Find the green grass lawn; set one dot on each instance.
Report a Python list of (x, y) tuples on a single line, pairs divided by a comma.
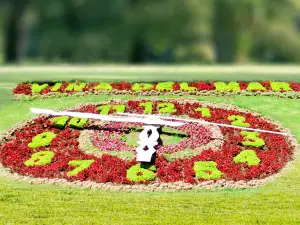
[(275, 203)]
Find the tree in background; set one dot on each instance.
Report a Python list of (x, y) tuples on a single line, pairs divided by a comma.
[(142, 31), (277, 37), (156, 28), (233, 29), (261, 30), (115, 30), (15, 30)]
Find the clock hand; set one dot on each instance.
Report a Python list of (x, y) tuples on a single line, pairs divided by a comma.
[(151, 124), (133, 119), (205, 122)]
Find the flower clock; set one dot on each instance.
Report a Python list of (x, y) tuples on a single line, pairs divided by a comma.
[(96, 153)]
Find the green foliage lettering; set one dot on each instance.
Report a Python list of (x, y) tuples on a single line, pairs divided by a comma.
[(255, 86), (119, 108), (207, 170), (166, 108), (141, 172), (252, 139), (142, 87), (231, 86), (36, 88), (278, 86), (165, 86), (40, 159), (205, 112), (43, 139), (104, 86), (60, 121), (80, 166), (238, 121), (77, 122), (56, 87), (75, 86), (104, 109), (247, 156), (148, 107), (185, 87)]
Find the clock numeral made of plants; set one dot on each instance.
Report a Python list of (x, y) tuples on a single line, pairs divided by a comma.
[(102, 152)]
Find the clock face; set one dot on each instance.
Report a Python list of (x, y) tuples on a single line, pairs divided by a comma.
[(105, 152)]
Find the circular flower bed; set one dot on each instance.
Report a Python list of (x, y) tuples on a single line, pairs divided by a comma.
[(73, 149)]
